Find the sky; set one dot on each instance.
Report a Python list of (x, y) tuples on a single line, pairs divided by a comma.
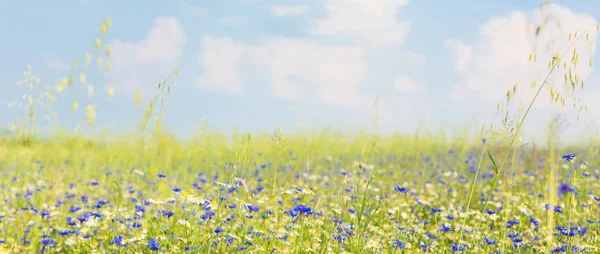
[(256, 65)]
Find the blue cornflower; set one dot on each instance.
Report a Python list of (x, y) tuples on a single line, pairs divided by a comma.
[(71, 222), (565, 188), (47, 241), (568, 157), (303, 209), (401, 189), (153, 244), (490, 241), (161, 175), (339, 238), (167, 214), (534, 221), (136, 225), (559, 249), (398, 244), (511, 223), (25, 241), (176, 189), (100, 204), (66, 232), (218, 230), (44, 213), (292, 213), (435, 210), (207, 215), (444, 228), (461, 247), (119, 240), (558, 209), (139, 209)]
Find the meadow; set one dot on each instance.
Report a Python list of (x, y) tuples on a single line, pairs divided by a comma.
[(312, 192)]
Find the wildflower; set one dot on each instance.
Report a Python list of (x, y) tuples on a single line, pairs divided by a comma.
[(47, 241), (302, 209), (401, 189), (167, 214), (444, 228), (118, 240), (490, 241), (534, 221), (397, 244), (161, 175), (44, 213), (372, 245), (153, 244), (435, 210), (565, 188), (559, 249), (568, 157), (511, 223), (299, 191), (558, 209), (139, 209), (455, 247)]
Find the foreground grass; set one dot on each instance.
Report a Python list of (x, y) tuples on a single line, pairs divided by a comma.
[(318, 193)]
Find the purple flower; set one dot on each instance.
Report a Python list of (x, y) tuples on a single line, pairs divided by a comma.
[(568, 157), (153, 244)]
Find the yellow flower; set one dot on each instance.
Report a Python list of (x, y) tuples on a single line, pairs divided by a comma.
[(75, 105), (111, 92), (108, 22), (91, 114), (108, 64), (82, 77), (88, 59), (97, 43)]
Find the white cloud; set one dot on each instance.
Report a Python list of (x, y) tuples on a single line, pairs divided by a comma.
[(289, 10), (500, 56), (371, 21), (296, 69), (406, 84), (303, 69), (463, 53), (219, 60), (151, 60)]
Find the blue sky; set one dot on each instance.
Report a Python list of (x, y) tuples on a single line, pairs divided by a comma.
[(255, 64)]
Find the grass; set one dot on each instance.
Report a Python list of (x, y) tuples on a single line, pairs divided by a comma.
[(314, 192), (326, 199)]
